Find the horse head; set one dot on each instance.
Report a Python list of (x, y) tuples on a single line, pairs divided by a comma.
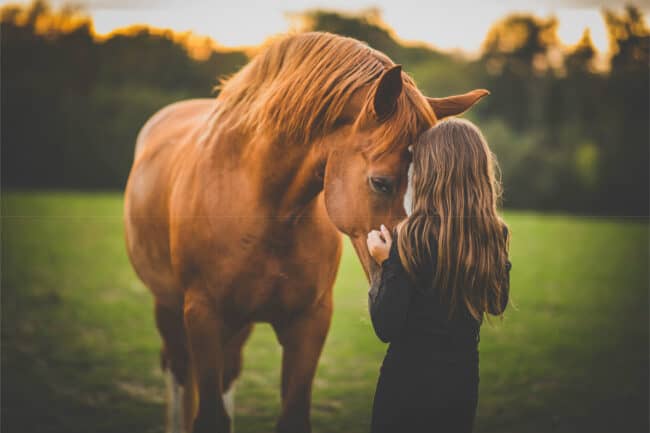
[(365, 177), (349, 106)]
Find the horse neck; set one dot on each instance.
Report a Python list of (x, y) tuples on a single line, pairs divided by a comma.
[(286, 176), (292, 176)]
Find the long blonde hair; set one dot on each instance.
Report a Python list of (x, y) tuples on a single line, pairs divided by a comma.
[(454, 221)]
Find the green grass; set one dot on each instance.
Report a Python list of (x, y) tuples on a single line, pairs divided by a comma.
[(80, 351)]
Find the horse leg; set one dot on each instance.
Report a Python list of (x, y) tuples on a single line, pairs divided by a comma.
[(190, 400), (233, 362), (206, 335), (174, 362), (302, 340)]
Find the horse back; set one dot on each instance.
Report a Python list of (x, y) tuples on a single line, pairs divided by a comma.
[(173, 121)]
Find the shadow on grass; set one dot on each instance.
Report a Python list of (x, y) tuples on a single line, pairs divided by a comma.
[(53, 381)]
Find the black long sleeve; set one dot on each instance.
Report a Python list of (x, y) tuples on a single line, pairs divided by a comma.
[(389, 297), (398, 307), (495, 309)]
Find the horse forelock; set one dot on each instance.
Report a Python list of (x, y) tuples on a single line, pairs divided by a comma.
[(297, 87)]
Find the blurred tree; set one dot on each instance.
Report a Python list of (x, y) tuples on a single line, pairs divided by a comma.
[(571, 113), (518, 55), (520, 43), (624, 128), (77, 103), (435, 72), (629, 40), (47, 58), (367, 26), (580, 58), (568, 136)]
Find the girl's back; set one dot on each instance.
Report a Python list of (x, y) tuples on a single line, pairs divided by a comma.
[(442, 270)]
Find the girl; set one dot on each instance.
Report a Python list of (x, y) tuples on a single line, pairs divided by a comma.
[(443, 269)]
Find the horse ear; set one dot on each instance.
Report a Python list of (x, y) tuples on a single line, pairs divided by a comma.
[(387, 91), (457, 104)]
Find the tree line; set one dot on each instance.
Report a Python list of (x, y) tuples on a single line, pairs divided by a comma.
[(569, 134)]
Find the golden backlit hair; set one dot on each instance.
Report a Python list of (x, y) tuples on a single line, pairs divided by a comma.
[(454, 222), (295, 90)]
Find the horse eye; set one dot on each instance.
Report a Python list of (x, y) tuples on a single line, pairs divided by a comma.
[(381, 185)]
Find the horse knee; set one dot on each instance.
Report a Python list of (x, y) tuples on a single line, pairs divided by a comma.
[(196, 315)]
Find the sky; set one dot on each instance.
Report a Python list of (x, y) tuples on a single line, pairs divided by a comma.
[(445, 24)]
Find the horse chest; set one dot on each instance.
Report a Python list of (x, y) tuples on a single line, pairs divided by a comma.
[(261, 278), (258, 267), (269, 286)]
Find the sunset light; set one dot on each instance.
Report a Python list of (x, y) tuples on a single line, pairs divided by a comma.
[(311, 216), (459, 25)]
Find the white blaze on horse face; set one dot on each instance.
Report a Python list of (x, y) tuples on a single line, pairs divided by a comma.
[(408, 195)]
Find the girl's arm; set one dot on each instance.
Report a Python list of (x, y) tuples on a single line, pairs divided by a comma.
[(389, 297)]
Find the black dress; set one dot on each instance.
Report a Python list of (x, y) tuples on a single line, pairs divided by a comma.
[(429, 378)]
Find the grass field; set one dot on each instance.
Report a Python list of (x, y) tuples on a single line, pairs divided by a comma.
[(80, 351)]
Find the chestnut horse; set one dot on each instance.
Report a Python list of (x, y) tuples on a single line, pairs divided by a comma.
[(233, 210)]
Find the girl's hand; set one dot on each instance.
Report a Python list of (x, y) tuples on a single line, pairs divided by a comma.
[(379, 243)]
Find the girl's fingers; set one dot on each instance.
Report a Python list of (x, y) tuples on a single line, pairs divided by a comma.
[(386, 233)]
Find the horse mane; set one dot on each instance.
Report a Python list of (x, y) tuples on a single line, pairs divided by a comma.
[(297, 87)]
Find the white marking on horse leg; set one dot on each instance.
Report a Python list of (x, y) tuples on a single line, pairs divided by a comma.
[(174, 404), (229, 404), (408, 195)]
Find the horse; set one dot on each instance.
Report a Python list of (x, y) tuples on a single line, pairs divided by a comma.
[(235, 205)]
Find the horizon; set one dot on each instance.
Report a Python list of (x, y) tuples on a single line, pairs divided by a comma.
[(574, 16)]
